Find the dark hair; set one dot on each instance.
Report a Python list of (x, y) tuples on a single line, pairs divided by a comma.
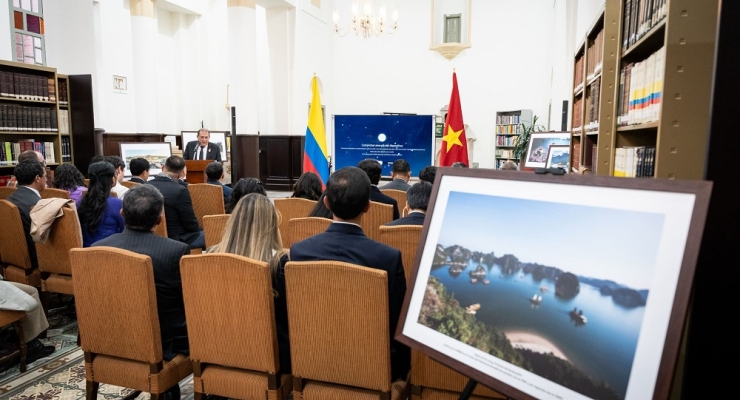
[(418, 195), (308, 186), (401, 166), (428, 174), (138, 166), (459, 164), (320, 210), (175, 164), (27, 171), (68, 177), (96, 200), (214, 171), (242, 188), (142, 207), (372, 168), (96, 159), (28, 155), (116, 162), (348, 192)]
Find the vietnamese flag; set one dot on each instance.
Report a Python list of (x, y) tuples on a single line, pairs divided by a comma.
[(454, 144)]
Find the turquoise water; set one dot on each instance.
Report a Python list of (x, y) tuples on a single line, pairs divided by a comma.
[(603, 348)]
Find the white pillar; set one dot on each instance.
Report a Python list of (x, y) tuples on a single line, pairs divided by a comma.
[(144, 52), (243, 64)]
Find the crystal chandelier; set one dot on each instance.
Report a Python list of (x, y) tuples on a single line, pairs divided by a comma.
[(367, 23)]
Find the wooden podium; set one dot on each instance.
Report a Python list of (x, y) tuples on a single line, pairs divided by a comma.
[(196, 171)]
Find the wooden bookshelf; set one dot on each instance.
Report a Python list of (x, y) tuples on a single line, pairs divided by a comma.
[(508, 129)]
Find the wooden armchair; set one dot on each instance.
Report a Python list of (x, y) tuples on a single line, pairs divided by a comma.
[(378, 214), (129, 184), (432, 380), (14, 249), (213, 228), (8, 317), (161, 229), (49, 193), (340, 343), (303, 228), (5, 192), (53, 256), (288, 209), (117, 316), (404, 238), (229, 307), (398, 195), (207, 200)]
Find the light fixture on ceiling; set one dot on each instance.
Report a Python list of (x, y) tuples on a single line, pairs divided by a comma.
[(366, 22)]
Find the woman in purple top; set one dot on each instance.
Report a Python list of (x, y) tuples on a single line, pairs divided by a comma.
[(100, 214), (69, 178)]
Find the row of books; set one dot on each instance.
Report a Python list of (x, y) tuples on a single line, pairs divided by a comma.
[(595, 55), (508, 129), (63, 93), (640, 88), (14, 117), (504, 153), (506, 140), (640, 16), (576, 119), (64, 122), (66, 149), (27, 86), (508, 119), (590, 156), (578, 75), (634, 162), (592, 106), (9, 151)]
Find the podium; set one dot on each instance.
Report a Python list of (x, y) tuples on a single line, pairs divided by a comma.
[(196, 171)]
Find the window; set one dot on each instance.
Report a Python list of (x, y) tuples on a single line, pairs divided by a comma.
[(27, 30)]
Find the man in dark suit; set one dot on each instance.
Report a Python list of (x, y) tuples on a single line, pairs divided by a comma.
[(142, 212), (31, 177), (400, 175), (215, 172), (347, 195), (417, 200), (139, 168), (182, 224), (373, 170), (202, 149)]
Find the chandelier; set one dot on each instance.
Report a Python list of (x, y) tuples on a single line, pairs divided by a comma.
[(367, 23)]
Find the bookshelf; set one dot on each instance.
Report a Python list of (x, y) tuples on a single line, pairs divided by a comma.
[(508, 129)]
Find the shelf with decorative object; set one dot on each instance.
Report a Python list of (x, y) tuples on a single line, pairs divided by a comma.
[(508, 129)]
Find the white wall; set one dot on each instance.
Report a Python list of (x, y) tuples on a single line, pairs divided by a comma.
[(586, 13)]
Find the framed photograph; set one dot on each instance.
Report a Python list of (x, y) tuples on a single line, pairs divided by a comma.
[(218, 137), (539, 144), (156, 153), (558, 156), (538, 318)]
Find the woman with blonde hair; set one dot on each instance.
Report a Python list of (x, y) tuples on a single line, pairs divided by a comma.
[(252, 232)]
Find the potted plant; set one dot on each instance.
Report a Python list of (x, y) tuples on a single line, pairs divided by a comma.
[(520, 147)]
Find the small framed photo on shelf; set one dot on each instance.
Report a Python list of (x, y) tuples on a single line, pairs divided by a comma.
[(558, 156), (539, 144), (217, 137), (156, 153)]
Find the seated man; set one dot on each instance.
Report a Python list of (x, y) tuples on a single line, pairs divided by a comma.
[(27, 155), (31, 177), (373, 170), (215, 172), (142, 212), (348, 197), (417, 200), (120, 166), (139, 170), (182, 224), (400, 175)]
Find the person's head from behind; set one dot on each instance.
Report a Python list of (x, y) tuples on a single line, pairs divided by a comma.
[(459, 164), (372, 169), (428, 174), (348, 193), (142, 208), (308, 186), (31, 155), (214, 171), (417, 197), (31, 173), (320, 210), (139, 167), (509, 166), (242, 188), (118, 164), (174, 167), (102, 178), (204, 135), (68, 177), (401, 170)]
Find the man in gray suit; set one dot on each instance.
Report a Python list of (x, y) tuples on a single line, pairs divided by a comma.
[(401, 173), (19, 297)]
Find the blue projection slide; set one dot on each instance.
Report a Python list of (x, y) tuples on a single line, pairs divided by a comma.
[(385, 138)]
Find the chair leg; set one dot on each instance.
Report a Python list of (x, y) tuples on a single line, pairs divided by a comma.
[(156, 396), (91, 390), (197, 396), (18, 326)]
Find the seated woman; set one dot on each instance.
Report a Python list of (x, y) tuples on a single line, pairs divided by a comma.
[(308, 187), (100, 214), (242, 188), (320, 210), (252, 232), (69, 178)]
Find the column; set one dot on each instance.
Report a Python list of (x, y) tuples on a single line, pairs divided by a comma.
[(242, 45), (144, 54)]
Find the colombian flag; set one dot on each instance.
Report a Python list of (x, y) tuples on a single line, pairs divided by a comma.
[(315, 156)]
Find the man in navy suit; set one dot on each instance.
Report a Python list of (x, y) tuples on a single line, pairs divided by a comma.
[(348, 197), (417, 200), (215, 172), (202, 149), (139, 168), (31, 176), (373, 170)]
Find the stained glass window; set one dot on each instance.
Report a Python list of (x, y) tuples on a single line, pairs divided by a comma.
[(28, 31)]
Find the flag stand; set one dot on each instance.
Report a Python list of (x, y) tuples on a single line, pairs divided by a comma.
[(234, 147), (468, 391)]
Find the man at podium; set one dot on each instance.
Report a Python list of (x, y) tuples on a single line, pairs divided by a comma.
[(202, 149)]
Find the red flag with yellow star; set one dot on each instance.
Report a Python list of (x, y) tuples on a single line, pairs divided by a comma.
[(454, 144)]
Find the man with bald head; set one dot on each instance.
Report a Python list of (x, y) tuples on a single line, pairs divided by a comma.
[(28, 155)]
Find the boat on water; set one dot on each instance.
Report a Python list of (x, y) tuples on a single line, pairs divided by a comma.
[(473, 308), (536, 299), (577, 317), (543, 288)]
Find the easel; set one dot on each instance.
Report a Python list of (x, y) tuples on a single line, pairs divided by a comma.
[(469, 387)]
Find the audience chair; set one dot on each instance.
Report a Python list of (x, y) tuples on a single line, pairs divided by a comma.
[(14, 249), (161, 229), (398, 195), (130, 184), (303, 228), (339, 341), (432, 380), (229, 307), (53, 256), (213, 228), (207, 200), (49, 193), (404, 238), (15, 318), (290, 208), (5, 192), (378, 214), (117, 317)]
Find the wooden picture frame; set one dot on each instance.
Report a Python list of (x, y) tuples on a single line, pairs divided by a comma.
[(154, 152), (217, 137), (558, 156), (539, 144), (610, 310)]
